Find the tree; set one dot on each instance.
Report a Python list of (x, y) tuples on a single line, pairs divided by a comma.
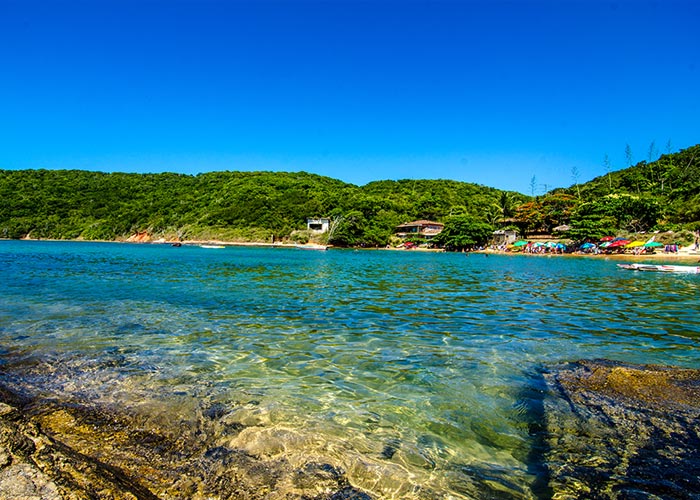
[(251, 206), (669, 169), (608, 169), (633, 213), (529, 217), (463, 232), (506, 203), (651, 156), (628, 155), (575, 174), (590, 227), (556, 209), (349, 230), (612, 213)]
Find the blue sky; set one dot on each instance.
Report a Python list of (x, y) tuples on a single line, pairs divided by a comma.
[(491, 92)]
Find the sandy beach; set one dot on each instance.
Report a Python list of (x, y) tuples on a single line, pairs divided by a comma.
[(684, 256)]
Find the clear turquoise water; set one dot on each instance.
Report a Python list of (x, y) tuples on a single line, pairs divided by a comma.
[(411, 371)]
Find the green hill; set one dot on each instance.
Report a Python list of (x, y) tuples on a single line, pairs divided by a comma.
[(663, 195), (244, 206), (673, 181), (257, 206)]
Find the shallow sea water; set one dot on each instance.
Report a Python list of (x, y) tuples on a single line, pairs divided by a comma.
[(412, 372)]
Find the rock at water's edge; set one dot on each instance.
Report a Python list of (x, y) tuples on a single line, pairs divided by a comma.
[(619, 430), (50, 451)]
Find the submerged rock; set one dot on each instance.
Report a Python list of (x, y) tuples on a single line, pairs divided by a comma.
[(26, 482), (622, 431), (51, 450)]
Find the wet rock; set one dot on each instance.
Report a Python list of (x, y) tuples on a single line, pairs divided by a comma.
[(216, 411), (25, 482), (388, 451), (349, 493), (6, 409), (623, 431), (34, 465), (69, 450), (319, 478), (390, 448)]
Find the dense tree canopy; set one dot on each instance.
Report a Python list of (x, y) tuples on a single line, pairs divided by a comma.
[(259, 206), (659, 195), (251, 206), (462, 232)]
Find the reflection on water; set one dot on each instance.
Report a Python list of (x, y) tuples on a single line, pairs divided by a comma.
[(410, 371)]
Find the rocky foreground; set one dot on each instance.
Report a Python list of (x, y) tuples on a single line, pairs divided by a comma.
[(58, 451), (608, 431), (619, 431)]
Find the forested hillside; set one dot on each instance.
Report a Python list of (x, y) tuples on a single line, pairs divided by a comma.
[(660, 195), (257, 206), (249, 206), (673, 181)]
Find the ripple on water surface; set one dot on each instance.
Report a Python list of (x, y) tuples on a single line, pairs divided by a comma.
[(412, 372)]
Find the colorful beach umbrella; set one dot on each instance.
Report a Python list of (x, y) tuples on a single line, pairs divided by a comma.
[(520, 243), (653, 244), (588, 245), (618, 243), (607, 238), (635, 244)]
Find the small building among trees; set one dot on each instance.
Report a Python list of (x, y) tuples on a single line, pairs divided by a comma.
[(504, 237), (318, 225), (420, 228)]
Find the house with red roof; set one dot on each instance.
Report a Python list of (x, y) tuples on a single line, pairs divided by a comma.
[(426, 229)]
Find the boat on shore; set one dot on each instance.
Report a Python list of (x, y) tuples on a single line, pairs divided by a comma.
[(212, 246), (661, 268), (312, 246)]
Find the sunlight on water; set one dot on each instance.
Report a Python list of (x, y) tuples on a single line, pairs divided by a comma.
[(410, 371)]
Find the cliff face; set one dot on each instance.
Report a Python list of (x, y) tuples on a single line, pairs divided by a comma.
[(618, 430), (141, 237)]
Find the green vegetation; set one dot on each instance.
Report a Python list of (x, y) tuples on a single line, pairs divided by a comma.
[(258, 206), (659, 195), (463, 232), (233, 206)]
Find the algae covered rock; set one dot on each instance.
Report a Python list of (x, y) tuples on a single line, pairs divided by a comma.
[(66, 450), (618, 430), (26, 482)]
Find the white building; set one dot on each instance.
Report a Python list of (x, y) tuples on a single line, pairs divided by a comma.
[(318, 225), (504, 237)]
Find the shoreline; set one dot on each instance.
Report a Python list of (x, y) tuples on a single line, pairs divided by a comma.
[(684, 254)]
